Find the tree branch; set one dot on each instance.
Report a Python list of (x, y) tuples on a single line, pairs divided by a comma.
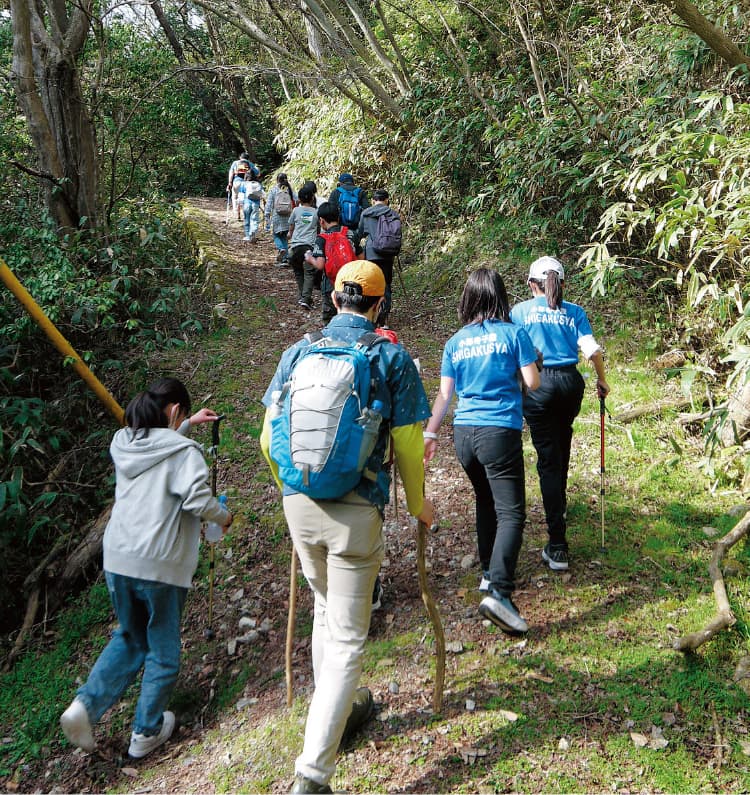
[(724, 617), (712, 35)]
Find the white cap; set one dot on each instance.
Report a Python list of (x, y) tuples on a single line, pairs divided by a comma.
[(542, 266)]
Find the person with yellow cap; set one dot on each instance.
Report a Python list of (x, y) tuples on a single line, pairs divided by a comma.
[(339, 542)]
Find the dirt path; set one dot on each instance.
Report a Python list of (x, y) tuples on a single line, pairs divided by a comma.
[(235, 685)]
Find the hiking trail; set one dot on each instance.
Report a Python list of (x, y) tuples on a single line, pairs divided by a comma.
[(234, 686)]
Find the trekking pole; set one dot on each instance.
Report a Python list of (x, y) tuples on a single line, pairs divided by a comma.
[(434, 613), (229, 204), (400, 276), (602, 409), (209, 633), (290, 622)]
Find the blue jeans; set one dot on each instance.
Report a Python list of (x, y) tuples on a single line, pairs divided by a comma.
[(549, 412), (148, 637), (493, 460), (252, 218), (280, 240)]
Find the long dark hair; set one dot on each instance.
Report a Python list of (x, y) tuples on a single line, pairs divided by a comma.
[(283, 182), (484, 298), (553, 289), (146, 409)]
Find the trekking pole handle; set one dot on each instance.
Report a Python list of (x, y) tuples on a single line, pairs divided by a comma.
[(215, 431)]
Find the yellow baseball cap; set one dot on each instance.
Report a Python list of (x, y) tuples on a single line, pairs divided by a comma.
[(366, 274)]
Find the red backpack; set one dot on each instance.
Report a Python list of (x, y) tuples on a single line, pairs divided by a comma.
[(338, 251)]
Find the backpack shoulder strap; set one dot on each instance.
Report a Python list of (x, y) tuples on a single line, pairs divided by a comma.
[(370, 339), (314, 336)]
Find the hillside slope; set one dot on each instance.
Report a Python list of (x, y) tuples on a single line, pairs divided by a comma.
[(560, 710)]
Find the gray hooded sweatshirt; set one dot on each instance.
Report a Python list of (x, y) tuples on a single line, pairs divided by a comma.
[(161, 496), (368, 225)]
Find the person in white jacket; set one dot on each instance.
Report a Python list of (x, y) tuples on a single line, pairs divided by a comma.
[(150, 555)]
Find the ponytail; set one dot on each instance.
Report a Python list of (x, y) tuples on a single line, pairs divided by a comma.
[(553, 291), (146, 409)]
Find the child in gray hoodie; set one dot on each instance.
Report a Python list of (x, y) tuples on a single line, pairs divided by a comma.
[(150, 555)]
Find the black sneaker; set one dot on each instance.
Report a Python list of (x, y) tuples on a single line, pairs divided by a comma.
[(304, 304), (555, 557), (362, 708), (501, 611), (305, 784), (377, 594)]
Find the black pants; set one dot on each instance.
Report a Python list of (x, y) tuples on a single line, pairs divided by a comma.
[(549, 412), (493, 460), (386, 265)]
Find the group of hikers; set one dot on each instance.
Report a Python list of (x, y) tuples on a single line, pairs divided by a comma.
[(317, 237), (344, 404)]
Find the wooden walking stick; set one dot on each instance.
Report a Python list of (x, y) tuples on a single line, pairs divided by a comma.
[(290, 627), (434, 613)]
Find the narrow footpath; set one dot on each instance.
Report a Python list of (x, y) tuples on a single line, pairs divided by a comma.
[(236, 733)]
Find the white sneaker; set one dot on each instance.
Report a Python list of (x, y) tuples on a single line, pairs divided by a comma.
[(140, 745), (246, 239), (484, 583), (76, 726)]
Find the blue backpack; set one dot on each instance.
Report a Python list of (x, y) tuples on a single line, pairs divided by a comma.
[(323, 426), (349, 206)]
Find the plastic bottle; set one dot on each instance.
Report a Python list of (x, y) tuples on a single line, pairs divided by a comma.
[(370, 421), (215, 532), (274, 410)]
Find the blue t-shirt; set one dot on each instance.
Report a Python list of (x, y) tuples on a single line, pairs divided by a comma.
[(399, 389), (555, 332), (483, 359)]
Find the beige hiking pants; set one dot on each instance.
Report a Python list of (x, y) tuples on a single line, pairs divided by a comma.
[(340, 548)]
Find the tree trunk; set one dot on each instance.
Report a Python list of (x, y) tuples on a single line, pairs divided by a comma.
[(715, 37), (736, 426), (533, 59), (49, 93)]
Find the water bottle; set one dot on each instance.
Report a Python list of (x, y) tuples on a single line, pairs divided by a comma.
[(215, 532), (370, 421), (277, 404)]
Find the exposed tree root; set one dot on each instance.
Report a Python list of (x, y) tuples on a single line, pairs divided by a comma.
[(724, 617)]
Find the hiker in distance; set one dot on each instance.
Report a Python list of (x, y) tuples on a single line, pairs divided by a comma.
[(480, 364), (334, 247), (558, 329), (349, 200), (303, 232), (237, 171), (279, 205), (150, 555), (382, 227), (251, 194), (339, 539)]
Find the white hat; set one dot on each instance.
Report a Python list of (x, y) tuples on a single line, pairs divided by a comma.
[(542, 266)]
